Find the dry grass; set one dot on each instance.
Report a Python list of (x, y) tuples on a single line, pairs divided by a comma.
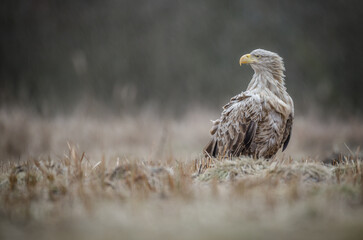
[(142, 178)]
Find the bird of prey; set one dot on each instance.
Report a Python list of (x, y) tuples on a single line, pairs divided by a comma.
[(256, 122)]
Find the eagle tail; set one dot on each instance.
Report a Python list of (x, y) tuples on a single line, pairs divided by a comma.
[(211, 149)]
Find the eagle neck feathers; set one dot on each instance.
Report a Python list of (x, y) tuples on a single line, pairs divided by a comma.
[(270, 83)]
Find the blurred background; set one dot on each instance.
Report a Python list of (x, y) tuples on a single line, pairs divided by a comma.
[(172, 54), (124, 57)]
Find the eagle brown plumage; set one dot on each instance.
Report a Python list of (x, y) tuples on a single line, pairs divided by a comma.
[(256, 122)]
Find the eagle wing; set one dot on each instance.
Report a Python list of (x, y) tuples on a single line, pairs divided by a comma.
[(233, 132)]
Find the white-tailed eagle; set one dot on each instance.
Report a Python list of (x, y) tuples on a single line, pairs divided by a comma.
[(256, 122)]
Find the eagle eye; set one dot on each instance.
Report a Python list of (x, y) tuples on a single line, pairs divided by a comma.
[(257, 56)]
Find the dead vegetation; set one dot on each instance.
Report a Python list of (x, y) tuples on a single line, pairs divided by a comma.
[(167, 195)]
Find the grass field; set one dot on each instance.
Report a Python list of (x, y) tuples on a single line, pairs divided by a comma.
[(143, 177)]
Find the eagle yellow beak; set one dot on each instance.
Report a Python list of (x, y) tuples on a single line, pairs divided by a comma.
[(246, 59)]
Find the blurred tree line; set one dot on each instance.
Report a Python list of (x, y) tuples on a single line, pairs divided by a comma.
[(176, 53)]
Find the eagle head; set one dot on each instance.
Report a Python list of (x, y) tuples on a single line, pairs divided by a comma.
[(263, 60)]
